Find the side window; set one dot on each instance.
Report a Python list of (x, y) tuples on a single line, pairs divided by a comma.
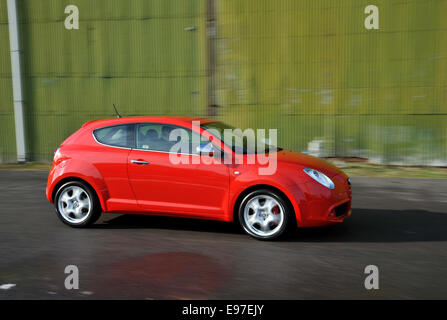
[(151, 137), (168, 138), (200, 141), (157, 136), (117, 136)]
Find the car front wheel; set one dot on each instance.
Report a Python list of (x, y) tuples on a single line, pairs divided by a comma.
[(77, 205), (264, 214)]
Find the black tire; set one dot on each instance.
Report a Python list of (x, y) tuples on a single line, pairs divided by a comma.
[(280, 229), (94, 211)]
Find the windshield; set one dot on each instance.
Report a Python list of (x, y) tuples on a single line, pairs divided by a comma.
[(241, 142)]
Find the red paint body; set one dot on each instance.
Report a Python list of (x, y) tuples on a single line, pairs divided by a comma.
[(192, 190)]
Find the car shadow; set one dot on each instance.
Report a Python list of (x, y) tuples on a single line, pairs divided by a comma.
[(364, 225), (137, 221), (373, 225)]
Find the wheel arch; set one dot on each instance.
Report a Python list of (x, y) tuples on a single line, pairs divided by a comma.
[(76, 178), (283, 193)]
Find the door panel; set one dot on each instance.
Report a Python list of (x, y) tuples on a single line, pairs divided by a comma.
[(161, 185)]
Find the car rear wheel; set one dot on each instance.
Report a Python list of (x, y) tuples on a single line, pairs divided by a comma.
[(77, 205), (264, 214)]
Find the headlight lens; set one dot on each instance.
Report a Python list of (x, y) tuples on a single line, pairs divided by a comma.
[(320, 177)]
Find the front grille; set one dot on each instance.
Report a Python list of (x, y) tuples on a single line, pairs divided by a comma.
[(341, 210)]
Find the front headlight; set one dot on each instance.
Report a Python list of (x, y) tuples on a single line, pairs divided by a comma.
[(320, 177)]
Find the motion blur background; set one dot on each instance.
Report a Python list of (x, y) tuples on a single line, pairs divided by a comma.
[(309, 68)]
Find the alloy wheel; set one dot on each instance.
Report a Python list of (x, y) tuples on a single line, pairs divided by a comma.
[(74, 204), (263, 215)]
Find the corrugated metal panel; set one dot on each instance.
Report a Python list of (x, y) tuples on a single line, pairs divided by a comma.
[(312, 70), (308, 68), (136, 54)]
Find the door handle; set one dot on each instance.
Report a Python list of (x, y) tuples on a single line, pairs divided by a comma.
[(139, 162)]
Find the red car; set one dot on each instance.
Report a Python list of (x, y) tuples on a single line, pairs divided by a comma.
[(134, 165)]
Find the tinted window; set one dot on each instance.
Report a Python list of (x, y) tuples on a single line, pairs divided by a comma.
[(167, 138), (237, 141), (117, 136)]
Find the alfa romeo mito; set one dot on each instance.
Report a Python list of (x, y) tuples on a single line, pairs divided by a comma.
[(184, 167)]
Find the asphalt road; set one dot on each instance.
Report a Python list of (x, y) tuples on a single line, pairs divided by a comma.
[(399, 225)]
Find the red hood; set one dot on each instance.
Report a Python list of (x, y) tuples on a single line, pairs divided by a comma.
[(307, 161)]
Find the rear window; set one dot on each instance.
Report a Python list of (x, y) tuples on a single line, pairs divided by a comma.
[(116, 136)]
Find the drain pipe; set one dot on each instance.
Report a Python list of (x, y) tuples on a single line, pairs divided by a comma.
[(16, 80), (211, 61)]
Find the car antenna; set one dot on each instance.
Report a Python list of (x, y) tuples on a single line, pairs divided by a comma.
[(117, 113)]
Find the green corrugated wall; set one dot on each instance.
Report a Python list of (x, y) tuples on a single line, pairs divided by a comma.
[(306, 67), (137, 54), (312, 70)]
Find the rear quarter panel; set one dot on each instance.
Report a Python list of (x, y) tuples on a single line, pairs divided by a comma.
[(76, 168)]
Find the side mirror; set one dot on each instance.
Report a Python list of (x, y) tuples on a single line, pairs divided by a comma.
[(205, 149)]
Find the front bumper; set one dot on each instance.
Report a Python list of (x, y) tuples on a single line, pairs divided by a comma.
[(321, 206)]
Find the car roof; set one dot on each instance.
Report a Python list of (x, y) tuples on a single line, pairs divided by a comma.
[(163, 119)]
